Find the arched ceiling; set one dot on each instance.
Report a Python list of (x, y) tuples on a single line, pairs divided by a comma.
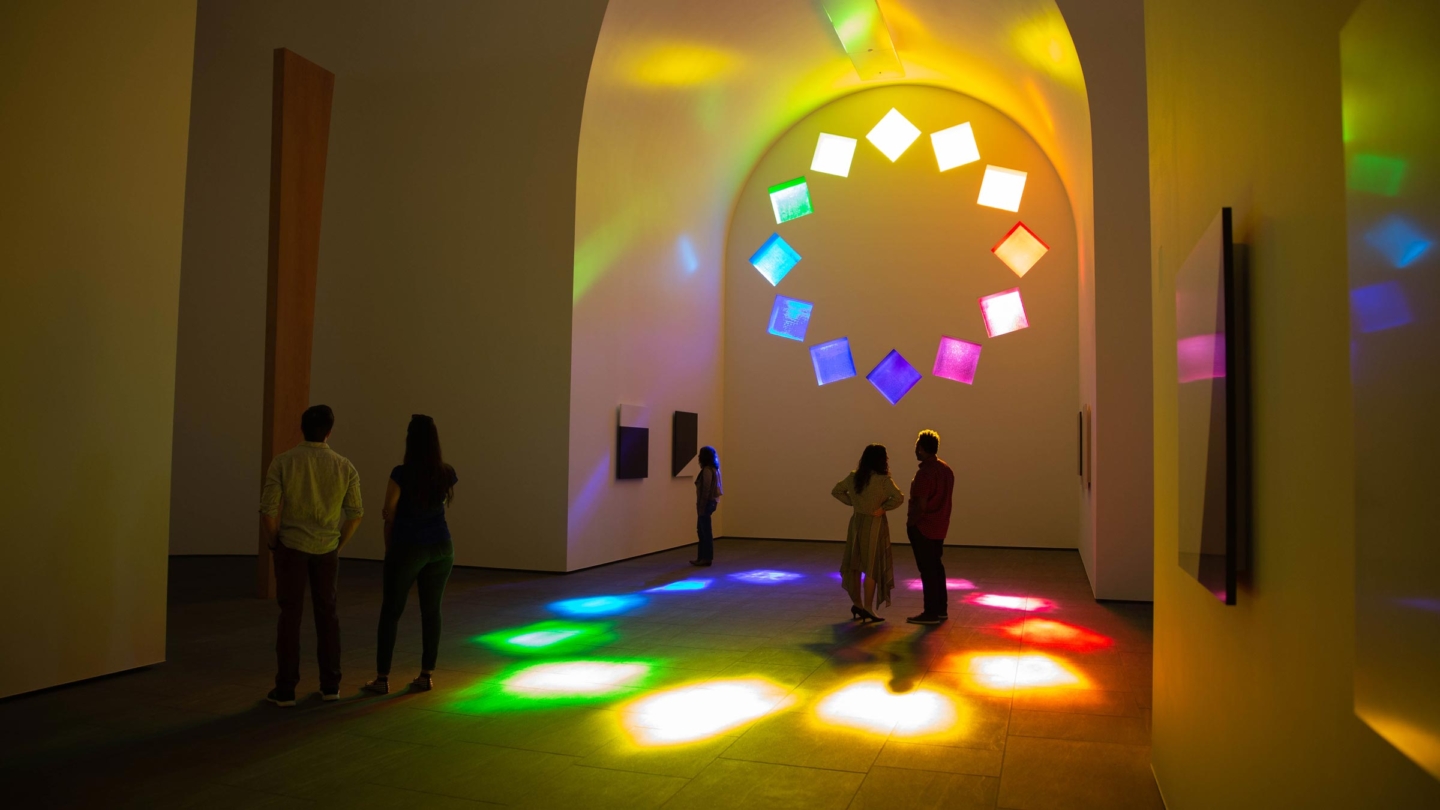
[(684, 98)]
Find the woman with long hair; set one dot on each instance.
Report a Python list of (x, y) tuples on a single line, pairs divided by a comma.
[(707, 499), (417, 548), (870, 493)]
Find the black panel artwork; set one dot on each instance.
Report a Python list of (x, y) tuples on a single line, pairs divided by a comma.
[(1212, 361), (632, 443), (684, 441)]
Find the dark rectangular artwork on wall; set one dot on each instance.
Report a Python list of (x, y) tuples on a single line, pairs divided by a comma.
[(1213, 386), (684, 443), (632, 443)]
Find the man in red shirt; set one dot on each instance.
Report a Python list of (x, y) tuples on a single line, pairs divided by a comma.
[(927, 523)]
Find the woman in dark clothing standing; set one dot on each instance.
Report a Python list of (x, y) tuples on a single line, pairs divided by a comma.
[(707, 499), (417, 548)]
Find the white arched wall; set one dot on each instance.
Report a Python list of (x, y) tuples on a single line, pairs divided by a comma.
[(896, 255), (682, 101)]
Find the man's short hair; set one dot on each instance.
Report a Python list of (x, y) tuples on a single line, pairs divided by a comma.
[(929, 441), (317, 422)]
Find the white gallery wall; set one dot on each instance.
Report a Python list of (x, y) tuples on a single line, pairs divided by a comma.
[(445, 260), (96, 98), (896, 255)]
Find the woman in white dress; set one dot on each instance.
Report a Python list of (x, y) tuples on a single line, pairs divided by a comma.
[(866, 570)]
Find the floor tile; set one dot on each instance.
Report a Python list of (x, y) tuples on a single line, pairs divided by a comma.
[(600, 788), (948, 759), (888, 788), (733, 785), (1083, 727), (1042, 774)]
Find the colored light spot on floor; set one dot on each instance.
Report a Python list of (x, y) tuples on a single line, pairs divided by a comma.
[(691, 713), (766, 577), (547, 638), (683, 585), (597, 605), (950, 585), (576, 678), (1002, 672), (871, 706), (1048, 633), (1025, 603)]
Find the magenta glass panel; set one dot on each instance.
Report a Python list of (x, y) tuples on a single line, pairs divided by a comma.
[(957, 360)]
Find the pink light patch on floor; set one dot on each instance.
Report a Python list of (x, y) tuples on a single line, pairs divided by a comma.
[(950, 585), (1026, 603)]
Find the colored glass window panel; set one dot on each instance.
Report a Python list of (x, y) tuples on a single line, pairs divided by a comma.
[(832, 361), (1379, 307), (1004, 313), (683, 585), (893, 377), (833, 155), (955, 146), (1002, 188), (1398, 241), (790, 317), (957, 360), (775, 259), (597, 605), (1020, 249), (790, 200), (893, 135)]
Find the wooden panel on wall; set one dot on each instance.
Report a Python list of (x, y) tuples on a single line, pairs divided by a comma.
[(299, 136)]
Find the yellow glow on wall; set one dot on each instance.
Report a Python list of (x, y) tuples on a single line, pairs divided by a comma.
[(955, 146), (1002, 188), (696, 712), (1045, 43), (1002, 672), (871, 706), (681, 64), (893, 135)]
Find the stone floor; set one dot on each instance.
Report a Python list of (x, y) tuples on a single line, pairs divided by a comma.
[(752, 692)]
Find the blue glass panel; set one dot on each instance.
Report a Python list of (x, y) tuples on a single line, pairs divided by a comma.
[(894, 377), (832, 361), (774, 259), (790, 317)]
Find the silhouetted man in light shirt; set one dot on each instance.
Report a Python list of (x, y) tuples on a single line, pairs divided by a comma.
[(927, 524), (310, 508)]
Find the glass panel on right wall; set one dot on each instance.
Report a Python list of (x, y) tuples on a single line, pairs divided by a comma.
[(1391, 73)]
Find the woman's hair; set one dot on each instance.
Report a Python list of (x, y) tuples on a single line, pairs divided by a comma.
[(709, 458), (874, 461), (429, 474)]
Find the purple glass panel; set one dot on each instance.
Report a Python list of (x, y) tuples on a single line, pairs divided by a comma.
[(893, 377)]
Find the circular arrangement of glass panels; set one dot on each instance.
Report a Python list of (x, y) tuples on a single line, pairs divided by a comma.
[(1002, 312)]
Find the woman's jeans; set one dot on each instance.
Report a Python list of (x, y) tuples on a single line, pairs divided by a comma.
[(706, 532), (427, 564)]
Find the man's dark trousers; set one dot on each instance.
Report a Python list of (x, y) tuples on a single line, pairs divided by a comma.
[(293, 569), (932, 571)]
